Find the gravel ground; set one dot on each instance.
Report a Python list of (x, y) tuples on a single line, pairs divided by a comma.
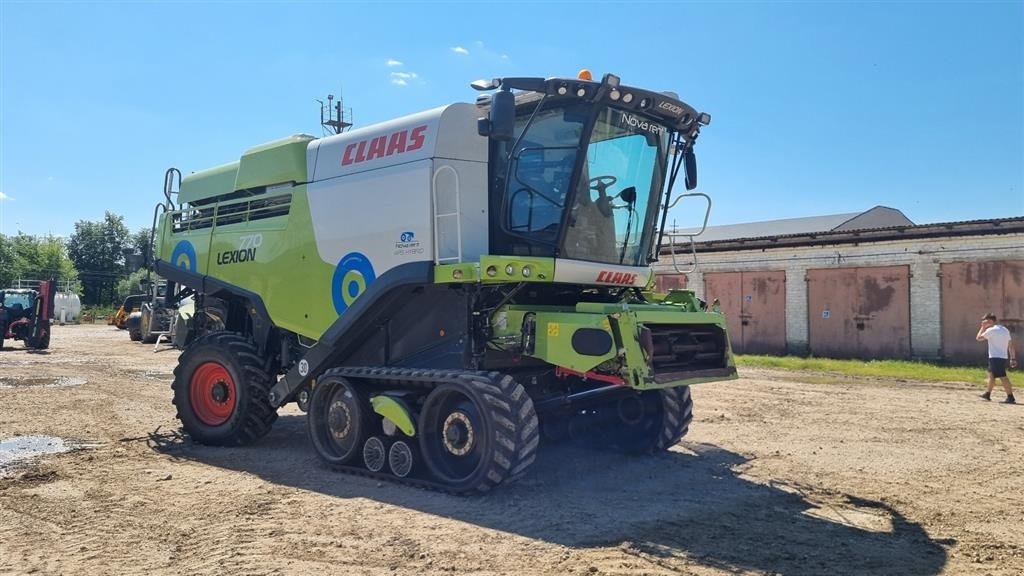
[(776, 477)]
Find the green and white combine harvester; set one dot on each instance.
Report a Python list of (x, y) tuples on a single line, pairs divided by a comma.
[(442, 290)]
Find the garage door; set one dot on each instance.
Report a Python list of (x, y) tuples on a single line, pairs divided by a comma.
[(665, 282), (859, 312), (969, 291), (754, 304)]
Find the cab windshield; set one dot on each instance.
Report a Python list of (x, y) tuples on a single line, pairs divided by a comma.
[(23, 300), (610, 216)]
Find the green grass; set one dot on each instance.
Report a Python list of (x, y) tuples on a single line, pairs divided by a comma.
[(895, 369)]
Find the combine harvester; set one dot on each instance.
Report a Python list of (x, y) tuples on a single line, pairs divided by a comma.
[(440, 290)]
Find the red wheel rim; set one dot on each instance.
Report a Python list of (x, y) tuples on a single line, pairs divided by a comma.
[(212, 394)]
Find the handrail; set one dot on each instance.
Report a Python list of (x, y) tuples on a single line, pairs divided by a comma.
[(169, 185), (693, 244), (457, 214)]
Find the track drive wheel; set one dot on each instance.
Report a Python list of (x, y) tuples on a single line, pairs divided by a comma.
[(340, 420), (478, 432), (221, 390)]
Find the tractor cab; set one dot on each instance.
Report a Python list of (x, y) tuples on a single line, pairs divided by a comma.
[(25, 315)]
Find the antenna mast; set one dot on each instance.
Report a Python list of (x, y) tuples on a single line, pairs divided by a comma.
[(334, 117)]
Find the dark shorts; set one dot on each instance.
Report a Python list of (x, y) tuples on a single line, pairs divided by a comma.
[(997, 367)]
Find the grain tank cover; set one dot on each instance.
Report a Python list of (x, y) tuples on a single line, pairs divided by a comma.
[(276, 162), (208, 183)]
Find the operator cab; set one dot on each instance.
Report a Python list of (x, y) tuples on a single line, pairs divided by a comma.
[(585, 168)]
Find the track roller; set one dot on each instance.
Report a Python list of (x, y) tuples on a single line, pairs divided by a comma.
[(400, 459), (375, 454)]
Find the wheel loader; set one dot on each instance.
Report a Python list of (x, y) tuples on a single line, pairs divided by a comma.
[(444, 290)]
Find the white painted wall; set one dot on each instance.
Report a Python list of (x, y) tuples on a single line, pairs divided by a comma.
[(922, 255)]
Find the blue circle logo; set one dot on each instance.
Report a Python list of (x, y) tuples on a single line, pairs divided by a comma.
[(184, 256), (353, 274)]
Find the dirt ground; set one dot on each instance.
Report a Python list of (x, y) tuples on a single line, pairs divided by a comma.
[(776, 477)]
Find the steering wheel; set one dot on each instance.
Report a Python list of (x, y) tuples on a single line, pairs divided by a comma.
[(603, 201)]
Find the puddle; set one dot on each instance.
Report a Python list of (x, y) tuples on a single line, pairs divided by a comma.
[(19, 450), (47, 382)]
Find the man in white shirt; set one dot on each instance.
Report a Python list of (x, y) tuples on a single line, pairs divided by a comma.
[(1000, 351)]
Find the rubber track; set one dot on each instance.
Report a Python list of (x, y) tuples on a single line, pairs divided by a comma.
[(506, 397)]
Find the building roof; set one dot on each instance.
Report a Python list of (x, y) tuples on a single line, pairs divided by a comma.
[(877, 217), (997, 226)]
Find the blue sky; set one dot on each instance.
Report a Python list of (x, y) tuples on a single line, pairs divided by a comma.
[(817, 108)]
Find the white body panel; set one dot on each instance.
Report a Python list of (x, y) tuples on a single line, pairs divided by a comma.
[(370, 212), (373, 190), (579, 272)]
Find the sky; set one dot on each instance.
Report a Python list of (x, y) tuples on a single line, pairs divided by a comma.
[(818, 107)]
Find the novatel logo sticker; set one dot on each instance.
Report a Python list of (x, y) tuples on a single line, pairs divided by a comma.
[(382, 146), (408, 244)]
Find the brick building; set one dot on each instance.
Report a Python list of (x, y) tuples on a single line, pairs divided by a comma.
[(869, 285)]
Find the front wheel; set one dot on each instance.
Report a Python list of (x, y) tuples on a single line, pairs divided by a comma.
[(641, 423), (221, 390), (41, 343)]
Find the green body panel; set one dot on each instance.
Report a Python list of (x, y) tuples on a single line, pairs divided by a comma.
[(279, 249), (394, 411), (275, 162), (495, 270), (555, 326), (208, 183)]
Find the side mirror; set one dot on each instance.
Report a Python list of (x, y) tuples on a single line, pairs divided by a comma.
[(690, 165), (501, 120)]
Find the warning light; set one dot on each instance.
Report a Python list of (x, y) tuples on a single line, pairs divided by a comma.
[(586, 75)]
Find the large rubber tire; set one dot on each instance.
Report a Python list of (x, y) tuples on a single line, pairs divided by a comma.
[(676, 417), (221, 390), (40, 344), (505, 432), (657, 420), (145, 322)]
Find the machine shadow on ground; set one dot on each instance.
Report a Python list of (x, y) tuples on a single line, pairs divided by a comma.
[(673, 509)]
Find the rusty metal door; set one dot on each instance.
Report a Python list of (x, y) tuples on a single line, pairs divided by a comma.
[(859, 312), (665, 282), (754, 304), (969, 291), (763, 316), (726, 287)]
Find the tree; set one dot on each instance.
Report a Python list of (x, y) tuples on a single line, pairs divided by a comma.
[(8, 262), (130, 284), (140, 245), (98, 251), (34, 258)]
